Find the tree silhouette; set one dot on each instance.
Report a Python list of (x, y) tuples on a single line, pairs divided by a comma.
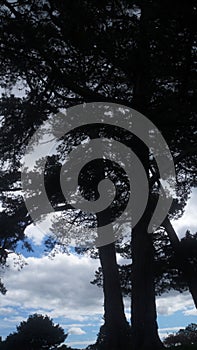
[(168, 274), (187, 336), (38, 332), (131, 52)]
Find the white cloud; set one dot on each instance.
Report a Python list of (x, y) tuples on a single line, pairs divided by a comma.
[(190, 312), (79, 325), (164, 332), (123, 261), (76, 331), (163, 335), (59, 287), (170, 303), (83, 342), (171, 329), (14, 320), (32, 231), (188, 220), (6, 310)]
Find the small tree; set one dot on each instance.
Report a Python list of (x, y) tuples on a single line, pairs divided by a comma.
[(37, 333), (187, 336)]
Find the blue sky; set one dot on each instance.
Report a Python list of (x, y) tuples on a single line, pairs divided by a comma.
[(60, 287)]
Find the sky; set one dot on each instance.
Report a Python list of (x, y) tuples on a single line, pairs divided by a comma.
[(60, 288)]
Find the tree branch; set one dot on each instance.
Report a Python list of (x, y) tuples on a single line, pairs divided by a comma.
[(183, 264)]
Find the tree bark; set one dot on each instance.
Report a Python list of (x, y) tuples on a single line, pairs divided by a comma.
[(143, 305), (116, 325), (144, 317)]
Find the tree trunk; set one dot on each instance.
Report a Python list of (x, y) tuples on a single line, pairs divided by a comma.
[(144, 316), (116, 327), (143, 305), (116, 330)]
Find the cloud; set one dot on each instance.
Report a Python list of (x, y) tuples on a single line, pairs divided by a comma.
[(70, 325), (163, 335), (33, 232), (188, 220), (164, 332), (170, 303), (171, 329), (83, 342), (14, 320), (59, 287), (190, 312), (6, 310), (76, 331)]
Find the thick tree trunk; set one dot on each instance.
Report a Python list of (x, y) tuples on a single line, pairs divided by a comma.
[(143, 308), (144, 316), (116, 327)]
